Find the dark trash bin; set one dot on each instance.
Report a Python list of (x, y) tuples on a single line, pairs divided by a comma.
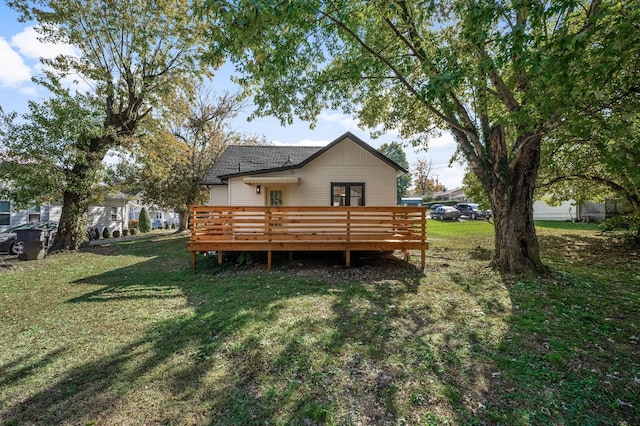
[(35, 243)]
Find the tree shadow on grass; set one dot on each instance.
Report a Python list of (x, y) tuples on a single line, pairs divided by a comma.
[(312, 343), (236, 345)]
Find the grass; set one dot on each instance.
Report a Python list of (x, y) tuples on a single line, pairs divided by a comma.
[(127, 334)]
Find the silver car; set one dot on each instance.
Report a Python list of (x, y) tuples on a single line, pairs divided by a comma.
[(444, 213)]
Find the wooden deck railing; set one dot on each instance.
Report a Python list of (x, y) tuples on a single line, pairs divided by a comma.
[(217, 228)]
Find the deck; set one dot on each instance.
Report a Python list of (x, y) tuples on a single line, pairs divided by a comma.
[(292, 229)]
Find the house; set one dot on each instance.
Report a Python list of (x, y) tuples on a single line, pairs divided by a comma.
[(10, 216), (112, 213), (340, 197), (347, 172), (456, 195), (159, 216)]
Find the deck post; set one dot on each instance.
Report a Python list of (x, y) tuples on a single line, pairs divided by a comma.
[(193, 260), (423, 258), (219, 257), (269, 259), (347, 257)]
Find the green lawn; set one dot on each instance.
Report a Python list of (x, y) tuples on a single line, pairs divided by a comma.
[(128, 334)]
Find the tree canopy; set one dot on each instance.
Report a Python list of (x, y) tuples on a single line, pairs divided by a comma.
[(134, 56), (180, 147), (500, 76)]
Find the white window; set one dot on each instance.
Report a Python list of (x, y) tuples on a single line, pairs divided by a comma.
[(34, 214), (114, 214)]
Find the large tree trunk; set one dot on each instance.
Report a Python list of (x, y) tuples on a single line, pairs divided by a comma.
[(71, 229), (510, 188), (516, 243), (75, 204)]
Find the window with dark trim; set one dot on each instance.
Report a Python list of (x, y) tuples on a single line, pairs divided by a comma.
[(347, 194), (5, 213)]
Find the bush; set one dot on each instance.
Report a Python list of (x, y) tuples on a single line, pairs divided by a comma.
[(134, 223), (106, 233), (125, 232), (96, 233), (166, 226), (145, 221), (133, 231), (116, 234), (628, 224), (173, 226)]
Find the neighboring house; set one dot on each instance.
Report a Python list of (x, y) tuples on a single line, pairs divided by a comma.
[(159, 217), (456, 194), (9, 216), (112, 214), (347, 172)]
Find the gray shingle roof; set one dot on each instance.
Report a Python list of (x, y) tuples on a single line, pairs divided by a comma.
[(249, 159), (238, 160)]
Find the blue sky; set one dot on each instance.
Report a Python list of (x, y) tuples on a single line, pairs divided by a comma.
[(19, 62)]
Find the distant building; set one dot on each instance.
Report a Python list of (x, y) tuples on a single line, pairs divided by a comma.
[(456, 194)]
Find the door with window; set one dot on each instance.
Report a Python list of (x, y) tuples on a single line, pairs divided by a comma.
[(276, 197)]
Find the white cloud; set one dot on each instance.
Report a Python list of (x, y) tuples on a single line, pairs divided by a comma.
[(13, 71), (29, 46), (349, 123)]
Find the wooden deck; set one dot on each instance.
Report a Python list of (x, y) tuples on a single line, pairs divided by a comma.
[(291, 229)]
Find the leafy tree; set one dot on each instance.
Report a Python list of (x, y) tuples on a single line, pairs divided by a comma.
[(499, 75), (179, 149), (133, 55), (423, 183), (45, 150), (596, 158), (395, 152), (144, 221)]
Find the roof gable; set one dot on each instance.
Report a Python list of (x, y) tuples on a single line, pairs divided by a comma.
[(242, 160)]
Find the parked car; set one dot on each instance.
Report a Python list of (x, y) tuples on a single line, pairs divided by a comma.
[(444, 213), (435, 206), (9, 243), (472, 211)]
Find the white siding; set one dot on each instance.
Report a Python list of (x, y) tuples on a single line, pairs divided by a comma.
[(100, 216), (241, 194), (218, 195), (543, 211), (346, 162)]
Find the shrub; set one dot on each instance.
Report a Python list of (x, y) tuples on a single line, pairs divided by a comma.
[(116, 233), (144, 220), (96, 233), (106, 233), (173, 226), (134, 223), (627, 223), (166, 226), (133, 231), (125, 232)]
